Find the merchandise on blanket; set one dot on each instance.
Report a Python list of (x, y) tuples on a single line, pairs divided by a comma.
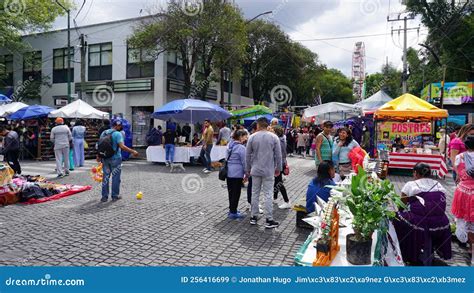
[(7, 198), (6, 174)]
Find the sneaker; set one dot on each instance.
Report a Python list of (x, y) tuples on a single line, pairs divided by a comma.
[(260, 210), (207, 171), (285, 205), (60, 176), (204, 170), (271, 224), (253, 220), (236, 216), (276, 201), (116, 198), (67, 174), (104, 199), (167, 164)]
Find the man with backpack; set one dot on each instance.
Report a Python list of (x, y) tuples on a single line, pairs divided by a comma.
[(109, 148)]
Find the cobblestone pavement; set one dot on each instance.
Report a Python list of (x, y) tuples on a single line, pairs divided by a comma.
[(181, 221)]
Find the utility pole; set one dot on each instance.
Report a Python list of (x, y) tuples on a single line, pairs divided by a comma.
[(405, 31), (83, 66)]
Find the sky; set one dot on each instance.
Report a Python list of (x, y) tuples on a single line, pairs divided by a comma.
[(313, 23)]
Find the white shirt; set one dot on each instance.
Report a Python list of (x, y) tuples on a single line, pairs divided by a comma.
[(412, 188)]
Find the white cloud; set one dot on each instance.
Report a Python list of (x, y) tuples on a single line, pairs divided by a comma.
[(302, 20)]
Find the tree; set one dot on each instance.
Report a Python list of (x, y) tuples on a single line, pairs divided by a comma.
[(30, 89), (198, 38), (19, 17), (389, 80), (335, 87), (450, 25), (26, 16)]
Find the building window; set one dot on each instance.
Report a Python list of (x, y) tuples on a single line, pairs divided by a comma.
[(32, 65), (245, 85), (139, 63), (60, 60), (175, 67), (6, 70), (226, 81), (100, 61)]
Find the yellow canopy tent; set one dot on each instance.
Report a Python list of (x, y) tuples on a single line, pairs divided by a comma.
[(408, 106)]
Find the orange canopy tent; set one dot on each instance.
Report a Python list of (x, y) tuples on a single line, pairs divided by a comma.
[(408, 106)]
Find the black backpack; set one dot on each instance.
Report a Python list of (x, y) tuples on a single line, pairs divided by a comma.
[(105, 149)]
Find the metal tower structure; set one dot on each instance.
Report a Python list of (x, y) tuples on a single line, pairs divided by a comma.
[(358, 70)]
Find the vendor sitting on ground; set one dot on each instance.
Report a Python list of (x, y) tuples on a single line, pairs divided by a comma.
[(398, 145), (424, 226), (317, 186)]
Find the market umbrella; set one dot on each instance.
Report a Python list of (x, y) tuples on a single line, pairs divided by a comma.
[(252, 111), (79, 109), (190, 110), (333, 111), (4, 99), (31, 112), (10, 108), (374, 102), (408, 106)]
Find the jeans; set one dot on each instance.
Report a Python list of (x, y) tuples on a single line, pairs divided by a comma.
[(169, 150), (234, 187), (264, 184), (62, 155), (79, 152), (12, 160), (111, 166), (206, 156)]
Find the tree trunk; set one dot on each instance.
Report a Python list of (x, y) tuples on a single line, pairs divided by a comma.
[(222, 86)]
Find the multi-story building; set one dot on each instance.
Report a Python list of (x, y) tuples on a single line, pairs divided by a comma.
[(116, 78)]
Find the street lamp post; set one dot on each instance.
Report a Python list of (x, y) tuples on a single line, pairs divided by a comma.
[(68, 50)]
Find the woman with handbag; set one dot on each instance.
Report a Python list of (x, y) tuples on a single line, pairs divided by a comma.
[(235, 172), (278, 185)]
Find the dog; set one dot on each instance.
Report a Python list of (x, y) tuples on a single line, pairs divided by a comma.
[(176, 166)]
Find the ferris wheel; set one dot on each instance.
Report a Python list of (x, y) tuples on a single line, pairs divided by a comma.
[(358, 70)]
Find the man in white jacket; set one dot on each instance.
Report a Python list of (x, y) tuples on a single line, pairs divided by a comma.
[(61, 137)]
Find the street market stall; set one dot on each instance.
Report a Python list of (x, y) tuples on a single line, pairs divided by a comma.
[(412, 121), (250, 112), (372, 103), (333, 111), (32, 189), (36, 119), (10, 108), (190, 111), (91, 117)]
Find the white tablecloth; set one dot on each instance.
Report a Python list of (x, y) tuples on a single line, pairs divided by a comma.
[(184, 154)]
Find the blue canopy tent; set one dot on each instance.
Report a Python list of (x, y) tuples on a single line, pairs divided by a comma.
[(31, 112), (191, 111), (4, 99)]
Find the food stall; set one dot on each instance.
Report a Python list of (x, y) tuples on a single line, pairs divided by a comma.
[(188, 111), (412, 120), (333, 111)]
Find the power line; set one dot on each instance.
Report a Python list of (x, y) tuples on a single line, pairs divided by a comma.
[(83, 3), (343, 37)]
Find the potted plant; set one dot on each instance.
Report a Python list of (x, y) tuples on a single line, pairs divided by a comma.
[(370, 201)]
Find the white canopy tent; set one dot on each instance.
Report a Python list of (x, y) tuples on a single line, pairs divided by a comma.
[(333, 111), (375, 101), (11, 108), (79, 109)]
